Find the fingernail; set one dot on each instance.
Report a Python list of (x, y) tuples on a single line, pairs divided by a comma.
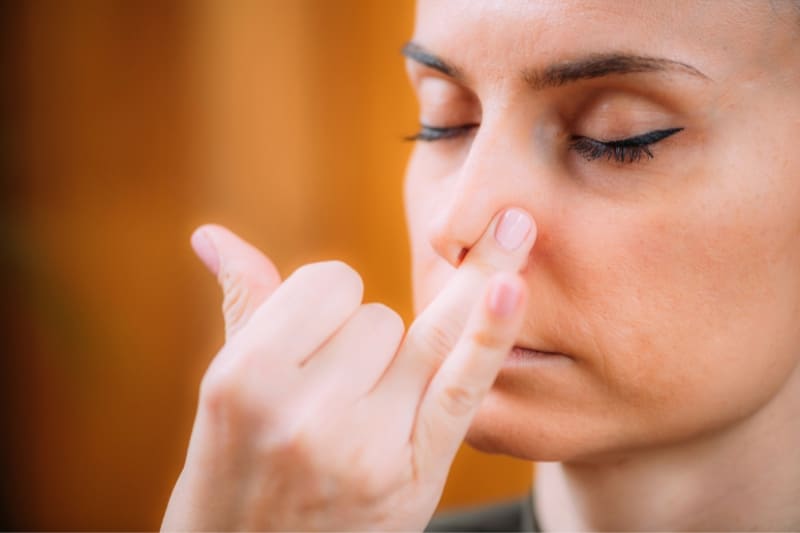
[(205, 250), (512, 229), (503, 299)]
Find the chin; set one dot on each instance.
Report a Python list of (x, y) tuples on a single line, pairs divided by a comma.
[(549, 432), (495, 433), (493, 443)]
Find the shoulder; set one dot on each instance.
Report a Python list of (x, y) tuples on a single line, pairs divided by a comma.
[(514, 515)]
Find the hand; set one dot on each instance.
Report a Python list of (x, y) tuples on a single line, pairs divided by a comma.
[(318, 413)]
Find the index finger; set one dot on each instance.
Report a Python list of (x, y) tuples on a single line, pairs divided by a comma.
[(504, 246)]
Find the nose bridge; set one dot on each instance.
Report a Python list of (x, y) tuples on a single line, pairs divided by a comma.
[(486, 182)]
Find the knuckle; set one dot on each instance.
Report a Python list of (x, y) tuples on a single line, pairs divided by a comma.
[(487, 339), (458, 400), (236, 301), (437, 338), (230, 278), (368, 484), (284, 441), (368, 488), (218, 391), (233, 273), (226, 391), (288, 441)]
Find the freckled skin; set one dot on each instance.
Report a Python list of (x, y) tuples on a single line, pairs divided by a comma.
[(673, 282)]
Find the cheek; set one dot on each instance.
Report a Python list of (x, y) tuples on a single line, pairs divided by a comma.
[(682, 312), (688, 315)]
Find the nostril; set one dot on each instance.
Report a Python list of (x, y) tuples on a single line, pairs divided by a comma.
[(444, 238)]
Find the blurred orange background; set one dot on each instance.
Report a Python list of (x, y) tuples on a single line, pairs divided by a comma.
[(130, 123)]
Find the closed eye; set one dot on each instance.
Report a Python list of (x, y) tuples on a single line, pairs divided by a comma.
[(627, 150), (435, 133)]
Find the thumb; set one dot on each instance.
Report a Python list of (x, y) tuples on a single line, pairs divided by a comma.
[(247, 276)]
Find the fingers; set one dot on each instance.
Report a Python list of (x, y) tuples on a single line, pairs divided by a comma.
[(504, 246), (303, 313), (246, 276), (349, 364), (465, 377)]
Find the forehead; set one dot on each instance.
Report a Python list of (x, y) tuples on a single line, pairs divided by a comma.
[(497, 35)]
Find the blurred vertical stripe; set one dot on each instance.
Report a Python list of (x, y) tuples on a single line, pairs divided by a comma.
[(9, 295)]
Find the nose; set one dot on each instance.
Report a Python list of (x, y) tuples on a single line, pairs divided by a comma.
[(454, 230), (490, 179)]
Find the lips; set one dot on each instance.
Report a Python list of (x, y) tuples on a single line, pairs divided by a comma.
[(522, 353)]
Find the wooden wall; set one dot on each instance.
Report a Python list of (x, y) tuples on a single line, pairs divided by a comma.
[(130, 122)]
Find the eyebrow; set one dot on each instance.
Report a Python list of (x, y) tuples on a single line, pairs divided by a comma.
[(419, 54), (563, 73)]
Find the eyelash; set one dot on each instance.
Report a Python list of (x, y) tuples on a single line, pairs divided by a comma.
[(433, 133), (627, 150)]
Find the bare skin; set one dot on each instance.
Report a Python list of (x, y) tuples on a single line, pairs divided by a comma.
[(651, 148)]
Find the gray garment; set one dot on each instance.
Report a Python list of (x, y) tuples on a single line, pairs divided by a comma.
[(515, 515)]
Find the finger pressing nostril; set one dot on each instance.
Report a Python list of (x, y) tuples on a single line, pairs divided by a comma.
[(512, 229)]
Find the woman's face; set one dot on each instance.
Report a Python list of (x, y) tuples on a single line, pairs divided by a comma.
[(667, 264)]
